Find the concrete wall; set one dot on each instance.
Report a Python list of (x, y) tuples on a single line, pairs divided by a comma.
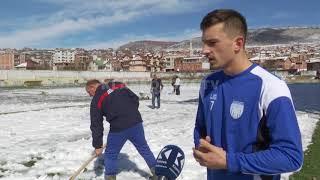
[(186, 76), (59, 78), (11, 78), (309, 73), (280, 74)]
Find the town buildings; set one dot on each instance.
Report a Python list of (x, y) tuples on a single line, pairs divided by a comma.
[(292, 58)]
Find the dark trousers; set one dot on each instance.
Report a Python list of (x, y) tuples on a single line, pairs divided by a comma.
[(174, 87), (177, 89), (154, 96), (115, 143)]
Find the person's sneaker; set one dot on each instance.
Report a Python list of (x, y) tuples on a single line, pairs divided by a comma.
[(109, 177)]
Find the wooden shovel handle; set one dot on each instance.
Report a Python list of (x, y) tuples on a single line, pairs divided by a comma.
[(84, 165)]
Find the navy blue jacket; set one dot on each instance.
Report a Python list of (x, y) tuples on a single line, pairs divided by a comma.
[(118, 104), (156, 85)]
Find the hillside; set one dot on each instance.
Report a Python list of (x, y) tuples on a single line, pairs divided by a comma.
[(147, 45), (262, 36), (267, 36)]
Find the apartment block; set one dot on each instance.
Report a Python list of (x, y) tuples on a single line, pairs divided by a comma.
[(7, 61)]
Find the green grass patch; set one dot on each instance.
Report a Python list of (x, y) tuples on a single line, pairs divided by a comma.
[(29, 163), (33, 160), (3, 170), (53, 174), (37, 158), (311, 165)]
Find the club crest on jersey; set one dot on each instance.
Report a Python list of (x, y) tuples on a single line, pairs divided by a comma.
[(236, 109)]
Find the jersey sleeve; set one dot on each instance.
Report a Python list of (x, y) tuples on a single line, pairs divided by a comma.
[(200, 125)]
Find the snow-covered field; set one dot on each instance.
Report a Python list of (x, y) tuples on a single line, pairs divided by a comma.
[(44, 133)]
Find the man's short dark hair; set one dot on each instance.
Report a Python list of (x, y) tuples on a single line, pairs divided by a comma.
[(92, 81), (234, 22)]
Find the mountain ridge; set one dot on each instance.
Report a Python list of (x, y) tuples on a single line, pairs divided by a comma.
[(256, 37)]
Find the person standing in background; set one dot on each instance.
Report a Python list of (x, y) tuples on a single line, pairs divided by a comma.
[(156, 88), (177, 85), (173, 81)]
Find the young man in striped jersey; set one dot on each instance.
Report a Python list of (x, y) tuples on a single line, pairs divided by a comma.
[(246, 127)]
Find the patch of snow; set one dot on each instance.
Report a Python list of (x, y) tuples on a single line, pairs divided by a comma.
[(46, 135)]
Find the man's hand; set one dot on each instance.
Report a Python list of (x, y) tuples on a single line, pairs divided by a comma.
[(210, 156), (200, 148), (98, 152)]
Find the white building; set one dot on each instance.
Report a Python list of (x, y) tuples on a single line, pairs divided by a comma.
[(64, 57), (169, 62), (108, 65)]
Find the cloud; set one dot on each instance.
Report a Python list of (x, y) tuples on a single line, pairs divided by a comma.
[(83, 15), (104, 6), (35, 36)]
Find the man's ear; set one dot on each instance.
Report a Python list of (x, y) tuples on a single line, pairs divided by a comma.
[(238, 43)]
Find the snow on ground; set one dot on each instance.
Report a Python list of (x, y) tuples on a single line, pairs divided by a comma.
[(44, 133)]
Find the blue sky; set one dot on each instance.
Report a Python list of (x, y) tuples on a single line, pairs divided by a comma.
[(110, 23)]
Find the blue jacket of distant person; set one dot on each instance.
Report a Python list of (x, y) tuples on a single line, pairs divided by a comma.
[(118, 104), (252, 117)]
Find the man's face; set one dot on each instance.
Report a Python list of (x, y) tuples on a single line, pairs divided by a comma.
[(91, 90), (218, 47)]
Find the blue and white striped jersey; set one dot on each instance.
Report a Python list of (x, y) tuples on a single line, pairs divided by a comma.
[(252, 117)]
